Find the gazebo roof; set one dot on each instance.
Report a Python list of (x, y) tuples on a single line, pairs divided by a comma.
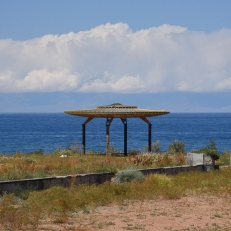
[(116, 110)]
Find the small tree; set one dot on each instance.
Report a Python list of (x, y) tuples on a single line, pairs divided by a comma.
[(176, 147), (212, 145), (210, 150), (155, 147)]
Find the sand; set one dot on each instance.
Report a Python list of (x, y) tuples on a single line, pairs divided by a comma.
[(188, 213)]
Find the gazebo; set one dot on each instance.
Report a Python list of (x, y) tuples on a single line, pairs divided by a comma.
[(116, 110)]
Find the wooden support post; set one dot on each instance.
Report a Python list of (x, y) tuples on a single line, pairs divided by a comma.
[(107, 140), (108, 123), (83, 139), (125, 135), (149, 133), (150, 138), (84, 134)]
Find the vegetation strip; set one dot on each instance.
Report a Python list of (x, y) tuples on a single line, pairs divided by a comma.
[(88, 179)]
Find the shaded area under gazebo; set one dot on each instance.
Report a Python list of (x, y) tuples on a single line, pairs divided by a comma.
[(112, 111)]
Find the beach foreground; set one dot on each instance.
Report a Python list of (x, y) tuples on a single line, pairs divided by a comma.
[(186, 201), (205, 212)]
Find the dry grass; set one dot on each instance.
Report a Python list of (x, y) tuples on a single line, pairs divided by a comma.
[(59, 203), (35, 165)]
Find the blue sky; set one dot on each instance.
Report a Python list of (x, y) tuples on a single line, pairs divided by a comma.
[(26, 19), (57, 55)]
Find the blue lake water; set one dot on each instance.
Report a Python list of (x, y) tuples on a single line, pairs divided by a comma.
[(49, 131)]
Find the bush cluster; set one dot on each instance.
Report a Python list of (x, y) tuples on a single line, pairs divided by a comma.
[(176, 147), (210, 150)]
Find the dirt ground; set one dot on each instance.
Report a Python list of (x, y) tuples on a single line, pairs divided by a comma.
[(187, 213)]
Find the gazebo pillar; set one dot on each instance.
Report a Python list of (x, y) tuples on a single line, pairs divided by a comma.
[(150, 137), (83, 138), (108, 123), (149, 133), (124, 120), (84, 134)]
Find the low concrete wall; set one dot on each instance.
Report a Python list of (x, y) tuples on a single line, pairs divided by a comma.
[(89, 179), (172, 170), (47, 182)]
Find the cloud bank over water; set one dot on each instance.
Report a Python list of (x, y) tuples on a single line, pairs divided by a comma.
[(113, 58)]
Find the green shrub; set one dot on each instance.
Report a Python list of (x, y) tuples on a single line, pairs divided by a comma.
[(210, 150), (129, 176), (176, 147)]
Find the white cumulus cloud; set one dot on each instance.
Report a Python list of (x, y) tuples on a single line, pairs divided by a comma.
[(112, 58)]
